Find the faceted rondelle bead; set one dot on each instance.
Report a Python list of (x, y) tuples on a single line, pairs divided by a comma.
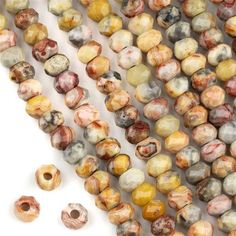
[(227, 222), (203, 228), (230, 26), (130, 227), (3, 22), (7, 39), (230, 86), (62, 137), (226, 69), (132, 8), (48, 177), (227, 132), (163, 226), (153, 210), (192, 8), (25, 18), (57, 7), (14, 6), (202, 22), (137, 132), (229, 184)]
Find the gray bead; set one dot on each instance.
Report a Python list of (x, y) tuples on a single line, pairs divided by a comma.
[(227, 222), (227, 132), (203, 22), (75, 152), (229, 184)]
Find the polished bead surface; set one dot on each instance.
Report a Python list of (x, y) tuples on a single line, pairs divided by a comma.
[(230, 26), (226, 69), (157, 5), (14, 6), (202, 22), (130, 227), (233, 149), (227, 132), (132, 8), (201, 228), (211, 38), (57, 7), (229, 184), (227, 222), (163, 226), (226, 10), (25, 18), (153, 210), (192, 8), (230, 86), (3, 22), (7, 39), (80, 35)]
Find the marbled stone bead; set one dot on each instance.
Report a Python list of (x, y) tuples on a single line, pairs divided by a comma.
[(226, 69), (29, 88), (227, 222), (80, 35), (192, 8), (153, 210), (226, 10), (230, 86), (197, 172), (86, 114), (167, 16), (132, 8), (14, 6), (202, 227), (12, 56), (25, 18), (7, 39), (211, 38), (66, 81), (204, 133), (56, 65), (227, 132), (163, 226), (187, 157), (180, 197), (137, 132), (219, 205), (131, 179), (62, 137), (156, 109), (208, 189), (107, 148), (57, 7), (230, 26), (188, 215), (157, 5), (130, 227), (50, 121), (233, 149), (3, 22), (178, 31), (212, 150), (21, 72), (202, 22), (203, 79), (229, 184)]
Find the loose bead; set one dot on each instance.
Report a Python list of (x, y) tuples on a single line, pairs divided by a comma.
[(157, 5), (226, 10), (227, 132), (3, 22), (129, 57), (168, 16), (131, 179), (117, 100), (27, 209), (12, 56), (147, 148), (119, 164), (120, 214), (132, 8), (48, 177), (74, 216), (107, 148), (229, 184), (158, 165), (97, 67), (227, 222), (219, 205), (211, 38), (21, 72), (203, 228), (80, 35), (13, 6), (57, 7), (62, 137), (66, 81), (7, 39), (188, 215), (29, 89), (37, 106), (226, 69), (197, 172), (230, 86), (96, 131), (86, 114), (50, 121), (98, 9), (44, 49), (153, 210), (176, 141), (192, 8), (130, 227), (185, 47), (203, 79), (97, 182), (120, 40), (187, 157), (203, 22), (87, 166), (230, 26), (89, 51), (148, 40), (70, 19), (167, 125), (233, 149), (168, 181), (25, 18), (156, 109), (163, 226), (56, 65), (143, 194), (138, 74), (180, 197)]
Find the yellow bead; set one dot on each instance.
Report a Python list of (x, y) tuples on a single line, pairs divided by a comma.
[(226, 69), (37, 106), (143, 194), (35, 33), (98, 9), (153, 210), (3, 22), (176, 141)]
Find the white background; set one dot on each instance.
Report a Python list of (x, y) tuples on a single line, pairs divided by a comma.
[(24, 147)]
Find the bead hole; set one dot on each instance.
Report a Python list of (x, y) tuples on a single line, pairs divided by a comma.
[(74, 214), (25, 206), (47, 176)]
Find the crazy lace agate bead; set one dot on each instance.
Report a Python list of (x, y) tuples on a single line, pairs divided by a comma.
[(224, 74), (230, 86), (233, 149), (227, 132), (57, 7), (25, 18), (229, 184), (157, 5), (3, 22), (201, 227), (131, 227), (230, 26), (192, 8), (227, 222), (226, 10), (132, 8), (8, 39), (163, 226), (153, 210), (13, 6), (202, 22)]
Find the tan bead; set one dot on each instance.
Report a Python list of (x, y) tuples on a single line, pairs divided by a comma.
[(201, 228), (192, 8), (226, 69), (3, 22), (230, 26)]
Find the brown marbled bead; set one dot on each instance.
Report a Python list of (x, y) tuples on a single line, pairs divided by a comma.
[(192, 8), (202, 227), (163, 226), (7, 39), (211, 38), (44, 49), (62, 137), (137, 132), (25, 18), (230, 86), (226, 10), (132, 8)]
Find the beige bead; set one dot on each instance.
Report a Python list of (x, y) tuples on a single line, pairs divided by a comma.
[(226, 69), (3, 22), (230, 26), (192, 8)]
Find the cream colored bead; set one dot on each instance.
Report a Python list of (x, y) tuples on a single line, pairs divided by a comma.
[(57, 7), (167, 125), (230, 26), (149, 39), (3, 22), (226, 69), (185, 48), (193, 63), (141, 23), (14, 6)]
